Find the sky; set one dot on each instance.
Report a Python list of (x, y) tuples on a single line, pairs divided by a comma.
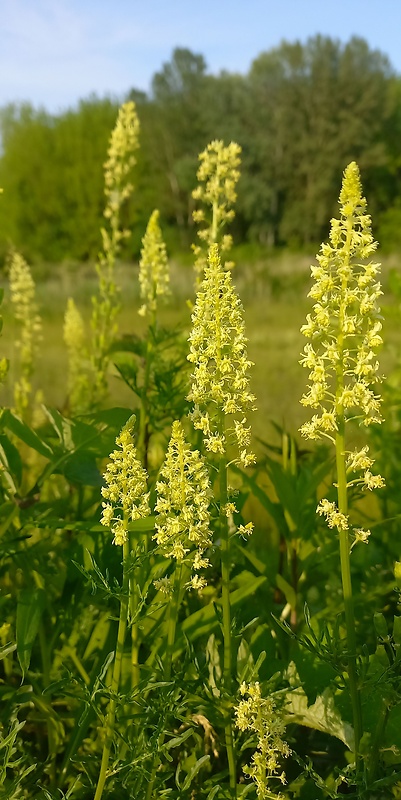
[(56, 52)]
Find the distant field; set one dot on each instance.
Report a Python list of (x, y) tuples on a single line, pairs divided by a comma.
[(274, 295)]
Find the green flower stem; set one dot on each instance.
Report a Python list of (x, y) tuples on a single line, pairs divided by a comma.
[(143, 434), (172, 622), (115, 682), (135, 638), (347, 590), (225, 576), (143, 441), (174, 605)]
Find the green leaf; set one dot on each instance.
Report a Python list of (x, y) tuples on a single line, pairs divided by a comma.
[(274, 509), (213, 792), (7, 649), (178, 739), (322, 715), (194, 771), (10, 458), (287, 590), (204, 621), (30, 606), (247, 553), (26, 434), (81, 468)]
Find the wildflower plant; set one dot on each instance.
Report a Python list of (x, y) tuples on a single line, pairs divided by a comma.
[(182, 507), (125, 499), (344, 334), (221, 396), (182, 534), (78, 377), (154, 277), (125, 495), (220, 378), (259, 715), (22, 289), (218, 175), (118, 188), (154, 284)]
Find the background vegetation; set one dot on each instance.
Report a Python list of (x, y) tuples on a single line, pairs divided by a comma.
[(301, 113), (73, 725)]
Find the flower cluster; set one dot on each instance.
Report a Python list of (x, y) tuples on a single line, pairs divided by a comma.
[(154, 278), (357, 461), (126, 490), (218, 350), (75, 340), (124, 141), (182, 506), (22, 288), (344, 328), (259, 715), (218, 176), (118, 188)]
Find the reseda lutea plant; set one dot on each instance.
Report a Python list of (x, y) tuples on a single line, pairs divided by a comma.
[(344, 333), (218, 175), (221, 397), (118, 188), (125, 499)]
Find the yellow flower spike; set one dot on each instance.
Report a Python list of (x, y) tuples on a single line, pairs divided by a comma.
[(218, 175), (22, 289), (259, 716), (154, 278), (75, 340), (126, 487), (345, 324), (124, 141), (121, 160), (218, 350), (344, 333), (182, 506)]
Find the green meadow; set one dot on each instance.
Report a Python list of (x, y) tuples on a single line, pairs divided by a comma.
[(199, 539)]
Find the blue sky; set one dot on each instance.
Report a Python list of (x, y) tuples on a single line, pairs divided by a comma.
[(54, 52)]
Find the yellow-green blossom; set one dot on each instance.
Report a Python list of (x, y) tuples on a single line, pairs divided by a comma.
[(360, 535), (218, 350), (344, 332), (260, 716), (218, 176), (75, 340), (154, 278), (22, 288), (344, 327), (334, 517), (118, 187), (182, 506), (125, 492)]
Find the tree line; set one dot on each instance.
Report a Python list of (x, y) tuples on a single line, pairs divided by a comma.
[(301, 113)]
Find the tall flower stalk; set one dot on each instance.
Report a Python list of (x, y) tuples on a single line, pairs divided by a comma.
[(22, 289), (125, 499), (182, 534), (118, 188), (218, 175), (344, 333), (154, 284), (258, 715), (78, 378), (221, 397)]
